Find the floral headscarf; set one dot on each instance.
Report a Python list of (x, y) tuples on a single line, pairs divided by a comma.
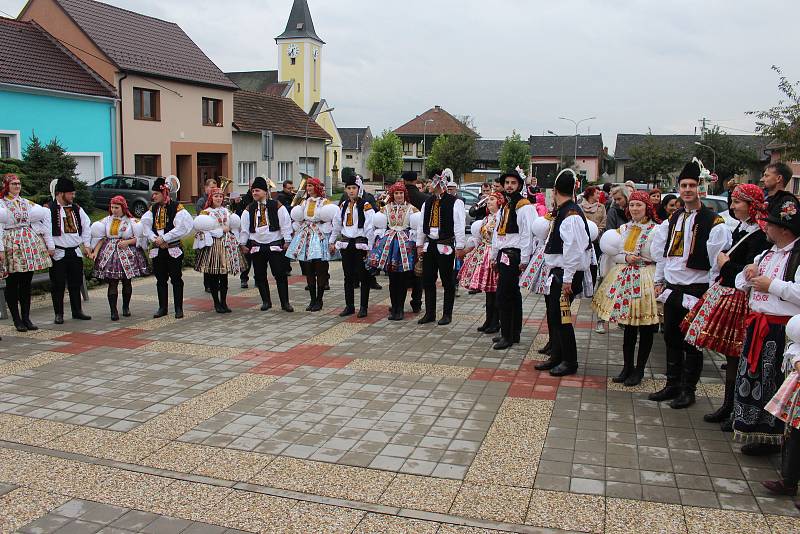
[(500, 198), (7, 184), (319, 187), (644, 197), (754, 196), (119, 200), (398, 187), (211, 193)]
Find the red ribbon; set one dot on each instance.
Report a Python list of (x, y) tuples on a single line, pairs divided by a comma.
[(761, 322)]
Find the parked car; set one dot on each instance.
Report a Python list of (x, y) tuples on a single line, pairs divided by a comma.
[(719, 205), (470, 199), (137, 190)]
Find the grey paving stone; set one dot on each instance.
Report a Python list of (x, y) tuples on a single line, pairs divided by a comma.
[(703, 499), (586, 485), (662, 494), (134, 520), (695, 482), (46, 524), (623, 490), (743, 503)]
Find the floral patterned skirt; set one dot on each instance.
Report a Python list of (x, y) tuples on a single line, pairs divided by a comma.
[(534, 279), (392, 254), (309, 243), (25, 251), (478, 273), (627, 296), (120, 263), (717, 321)]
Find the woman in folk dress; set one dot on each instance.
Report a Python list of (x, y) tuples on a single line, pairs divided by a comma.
[(218, 245), (395, 250), (118, 258), (22, 250), (627, 294)]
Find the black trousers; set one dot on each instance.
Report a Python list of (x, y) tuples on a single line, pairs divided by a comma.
[(277, 264), (168, 269), (509, 294), (66, 273), (18, 295), (398, 287), (355, 270), (416, 291), (562, 333), (684, 361), (790, 464), (436, 264), (245, 274)]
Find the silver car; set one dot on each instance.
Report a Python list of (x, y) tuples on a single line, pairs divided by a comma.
[(137, 190)]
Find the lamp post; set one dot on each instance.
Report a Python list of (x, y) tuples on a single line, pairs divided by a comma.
[(577, 123), (307, 123), (424, 148), (713, 154), (561, 152)]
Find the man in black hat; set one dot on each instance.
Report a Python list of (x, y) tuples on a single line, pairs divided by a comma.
[(265, 235), (441, 240), (690, 241), (416, 198), (68, 242), (164, 225), (568, 252), (242, 204), (774, 287), (353, 234), (511, 249)]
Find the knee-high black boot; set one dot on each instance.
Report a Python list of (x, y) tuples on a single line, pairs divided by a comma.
[(645, 346), (127, 293), (628, 347), (725, 410), (112, 299), (13, 299), (490, 309), (213, 287), (223, 293)]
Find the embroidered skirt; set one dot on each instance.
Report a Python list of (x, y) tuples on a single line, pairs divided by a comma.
[(717, 321), (392, 253), (120, 263), (751, 422), (309, 243), (534, 279), (785, 405), (25, 251), (223, 256), (479, 272), (627, 296)]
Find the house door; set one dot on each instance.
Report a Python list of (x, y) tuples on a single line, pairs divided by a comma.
[(208, 166)]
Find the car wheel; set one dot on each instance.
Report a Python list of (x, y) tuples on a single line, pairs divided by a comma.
[(139, 209)]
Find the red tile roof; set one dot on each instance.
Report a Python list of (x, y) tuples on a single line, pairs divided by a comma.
[(145, 45), (31, 57), (253, 112), (442, 123)]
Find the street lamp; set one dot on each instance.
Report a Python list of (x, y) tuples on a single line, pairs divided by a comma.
[(424, 148), (577, 123), (713, 154), (561, 151), (307, 123)]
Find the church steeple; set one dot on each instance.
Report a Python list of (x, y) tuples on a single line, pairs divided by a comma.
[(300, 25)]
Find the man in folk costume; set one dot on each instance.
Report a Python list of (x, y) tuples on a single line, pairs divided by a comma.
[(353, 234), (69, 241), (416, 198), (441, 240), (265, 235), (164, 225), (511, 250), (568, 252), (684, 247), (774, 285)]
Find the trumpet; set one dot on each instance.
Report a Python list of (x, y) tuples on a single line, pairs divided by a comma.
[(224, 183), (300, 194), (482, 201)]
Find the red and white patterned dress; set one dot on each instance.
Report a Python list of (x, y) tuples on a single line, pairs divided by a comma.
[(23, 244), (479, 272)]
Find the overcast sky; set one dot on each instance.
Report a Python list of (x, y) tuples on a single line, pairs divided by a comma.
[(518, 64)]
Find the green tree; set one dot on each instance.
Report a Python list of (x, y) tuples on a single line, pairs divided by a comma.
[(386, 159), (782, 122), (654, 160), (11, 166), (44, 163), (731, 157), (454, 151), (514, 152)]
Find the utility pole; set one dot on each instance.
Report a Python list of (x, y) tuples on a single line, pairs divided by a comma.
[(703, 127)]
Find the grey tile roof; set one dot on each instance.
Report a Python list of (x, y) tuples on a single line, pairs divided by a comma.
[(255, 80), (353, 138), (253, 112), (300, 25), (488, 149), (685, 144), (589, 146)]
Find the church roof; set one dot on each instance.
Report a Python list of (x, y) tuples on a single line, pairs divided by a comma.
[(300, 25), (439, 122)]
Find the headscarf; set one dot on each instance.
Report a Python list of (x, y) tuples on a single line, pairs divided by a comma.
[(398, 186), (211, 193), (319, 187), (754, 196), (643, 196), (7, 184), (500, 198), (119, 200)]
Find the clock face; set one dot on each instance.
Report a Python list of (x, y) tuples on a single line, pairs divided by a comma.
[(293, 50), (316, 53)]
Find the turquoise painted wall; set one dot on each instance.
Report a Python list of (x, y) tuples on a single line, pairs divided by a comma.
[(79, 125)]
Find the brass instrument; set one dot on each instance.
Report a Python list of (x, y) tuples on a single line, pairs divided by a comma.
[(224, 183), (300, 194)]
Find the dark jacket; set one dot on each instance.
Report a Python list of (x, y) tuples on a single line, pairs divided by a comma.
[(367, 196), (284, 198), (615, 218), (415, 196), (742, 255)]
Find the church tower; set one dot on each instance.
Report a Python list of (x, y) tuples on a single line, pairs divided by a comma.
[(300, 56)]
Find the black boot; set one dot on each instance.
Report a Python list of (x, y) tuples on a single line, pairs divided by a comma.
[(25, 312), (177, 295), (223, 294), (666, 393), (266, 298), (349, 300), (283, 295), (490, 312), (547, 349), (365, 287), (163, 298), (320, 293), (724, 411), (628, 346), (447, 312), (646, 334), (684, 400), (215, 297), (75, 305), (127, 293), (312, 290), (112, 304), (15, 316)]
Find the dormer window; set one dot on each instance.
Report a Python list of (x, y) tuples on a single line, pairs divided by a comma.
[(299, 25)]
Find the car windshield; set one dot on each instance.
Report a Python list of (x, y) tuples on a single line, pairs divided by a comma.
[(468, 196)]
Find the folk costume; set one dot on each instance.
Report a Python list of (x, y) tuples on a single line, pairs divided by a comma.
[(568, 251), (266, 230), (118, 259), (25, 251), (69, 233), (717, 321), (353, 235), (511, 249), (479, 272), (443, 232), (627, 294), (395, 249), (416, 198), (170, 222), (313, 225), (219, 255), (535, 276), (759, 373), (686, 244)]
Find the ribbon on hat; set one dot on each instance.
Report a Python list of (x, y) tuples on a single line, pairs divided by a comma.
[(360, 184), (524, 190)]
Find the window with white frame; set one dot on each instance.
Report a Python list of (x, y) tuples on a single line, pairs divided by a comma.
[(247, 172), (284, 170), (9, 144), (5, 146)]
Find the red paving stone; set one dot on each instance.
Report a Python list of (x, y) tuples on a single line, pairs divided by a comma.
[(207, 304), (283, 363), (528, 383), (123, 338)]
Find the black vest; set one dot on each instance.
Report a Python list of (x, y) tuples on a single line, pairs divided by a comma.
[(446, 227), (754, 244), (272, 215), (172, 210), (555, 245), (55, 217), (359, 206), (704, 221), (515, 201)]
